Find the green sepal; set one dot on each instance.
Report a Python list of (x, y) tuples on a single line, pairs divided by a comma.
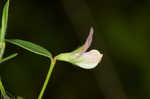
[(67, 57)]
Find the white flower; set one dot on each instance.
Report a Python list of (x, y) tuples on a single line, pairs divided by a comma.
[(80, 57), (89, 59)]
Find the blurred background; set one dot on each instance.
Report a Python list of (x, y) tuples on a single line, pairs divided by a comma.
[(122, 31)]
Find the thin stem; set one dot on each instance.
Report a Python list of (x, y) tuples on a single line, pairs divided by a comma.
[(2, 89), (2, 49), (53, 61)]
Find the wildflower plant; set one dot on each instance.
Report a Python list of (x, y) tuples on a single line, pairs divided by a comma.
[(79, 57)]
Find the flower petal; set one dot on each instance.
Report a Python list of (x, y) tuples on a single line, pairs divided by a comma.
[(89, 59), (88, 40), (87, 43)]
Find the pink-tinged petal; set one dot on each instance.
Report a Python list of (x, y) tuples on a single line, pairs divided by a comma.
[(89, 40), (89, 59), (87, 43)]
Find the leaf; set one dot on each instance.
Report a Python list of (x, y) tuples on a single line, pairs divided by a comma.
[(8, 58), (31, 47), (4, 21)]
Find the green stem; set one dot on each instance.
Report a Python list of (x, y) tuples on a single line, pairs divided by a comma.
[(2, 49), (2, 89), (53, 61)]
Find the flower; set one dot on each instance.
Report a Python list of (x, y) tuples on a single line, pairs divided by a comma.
[(81, 58)]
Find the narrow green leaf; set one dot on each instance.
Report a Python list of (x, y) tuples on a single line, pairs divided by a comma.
[(31, 47), (8, 58), (4, 21)]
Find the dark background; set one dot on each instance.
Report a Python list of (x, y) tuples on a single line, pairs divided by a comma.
[(122, 31)]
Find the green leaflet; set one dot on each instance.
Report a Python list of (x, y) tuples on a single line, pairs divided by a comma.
[(4, 21), (31, 47), (8, 58)]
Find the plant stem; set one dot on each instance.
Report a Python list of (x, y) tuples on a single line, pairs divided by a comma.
[(2, 89), (2, 49), (53, 61)]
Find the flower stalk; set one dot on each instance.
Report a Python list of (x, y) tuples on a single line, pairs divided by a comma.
[(53, 61)]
